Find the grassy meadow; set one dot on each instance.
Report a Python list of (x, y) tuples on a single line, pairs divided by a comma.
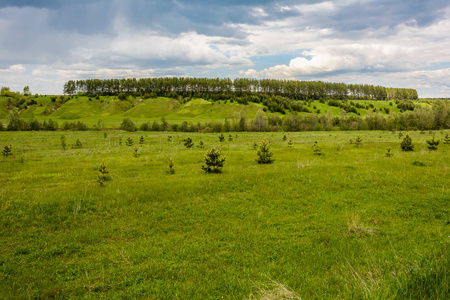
[(349, 224)]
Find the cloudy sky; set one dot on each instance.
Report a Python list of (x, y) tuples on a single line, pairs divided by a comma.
[(402, 43)]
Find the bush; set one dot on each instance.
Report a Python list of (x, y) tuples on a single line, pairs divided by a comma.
[(128, 125), (77, 144), (264, 154), (213, 161)]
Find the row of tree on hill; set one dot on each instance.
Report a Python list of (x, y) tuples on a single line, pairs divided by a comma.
[(222, 88)]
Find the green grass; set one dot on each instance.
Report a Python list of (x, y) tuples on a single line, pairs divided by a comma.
[(350, 224)]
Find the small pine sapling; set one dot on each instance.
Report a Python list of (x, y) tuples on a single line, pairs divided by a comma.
[(432, 144), (171, 165), (290, 143), (255, 146), (230, 138), (221, 138), (284, 138), (446, 139), (188, 142), (77, 144), (103, 175), (400, 135), (105, 135), (406, 144), (351, 141), (63, 141), (264, 154), (7, 150), (358, 142), (136, 152), (169, 138), (141, 140), (389, 153), (213, 161), (120, 141), (316, 149), (129, 142), (201, 145)]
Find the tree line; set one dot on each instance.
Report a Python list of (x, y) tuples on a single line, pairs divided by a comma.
[(224, 88)]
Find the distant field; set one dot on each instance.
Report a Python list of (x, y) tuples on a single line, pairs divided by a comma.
[(350, 224)]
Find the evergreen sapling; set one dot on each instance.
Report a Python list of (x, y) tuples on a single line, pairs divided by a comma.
[(7, 150), (103, 175), (406, 144), (264, 153), (129, 142), (213, 161), (432, 144)]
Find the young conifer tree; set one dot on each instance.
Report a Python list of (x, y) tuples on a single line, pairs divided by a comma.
[(358, 142), (213, 161), (141, 140), (103, 175), (446, 139), (129, 142), (264, 153), (406, 144), (188, 143), (7, 150), (432, 144)]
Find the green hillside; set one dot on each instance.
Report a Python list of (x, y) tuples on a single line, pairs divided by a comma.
[(323, 114)]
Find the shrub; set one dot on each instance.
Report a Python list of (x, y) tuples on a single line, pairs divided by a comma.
[(221, 138), (406, 144), (63, 142), (77, 144), (128, 125), (213, 161), (264, 154)]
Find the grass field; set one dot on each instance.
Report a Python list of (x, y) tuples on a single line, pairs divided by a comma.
[(351, 224)]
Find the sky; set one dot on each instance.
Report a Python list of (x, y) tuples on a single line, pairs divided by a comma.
[(402, 43)]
